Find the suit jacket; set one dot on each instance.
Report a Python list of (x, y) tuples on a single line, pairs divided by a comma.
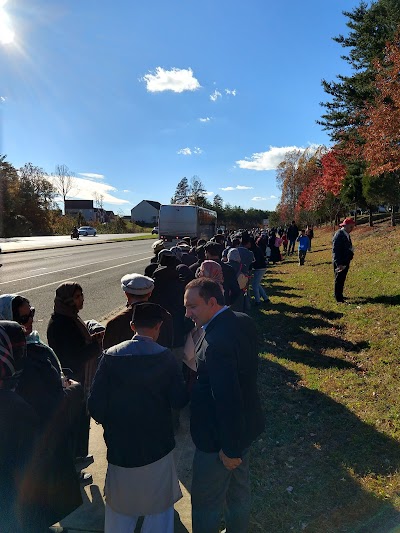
[(342, 248), (226, 410)]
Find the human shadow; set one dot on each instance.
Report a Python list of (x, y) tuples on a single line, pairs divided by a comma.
[(393, 299), (90, 515), (293, 333), (323, 263), (308, 466)]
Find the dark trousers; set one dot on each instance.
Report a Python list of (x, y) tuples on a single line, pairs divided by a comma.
[(340, 278), (291, 247), (302, 256), (80, 432), (218, 492)]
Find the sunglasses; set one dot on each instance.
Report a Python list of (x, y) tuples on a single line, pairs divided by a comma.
[(24, 319)]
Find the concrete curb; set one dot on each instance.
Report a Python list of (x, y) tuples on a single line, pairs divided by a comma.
[(54, 247)]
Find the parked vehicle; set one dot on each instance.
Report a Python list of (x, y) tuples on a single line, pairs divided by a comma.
[(178, 221), (87, 230), (155, 230)]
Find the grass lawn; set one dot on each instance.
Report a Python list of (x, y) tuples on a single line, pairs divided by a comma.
[(136, 238), (329, 460)]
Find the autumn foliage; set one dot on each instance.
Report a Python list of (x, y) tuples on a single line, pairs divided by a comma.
[(381, 131)]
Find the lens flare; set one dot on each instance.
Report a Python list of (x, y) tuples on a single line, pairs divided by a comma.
[(7, 34)]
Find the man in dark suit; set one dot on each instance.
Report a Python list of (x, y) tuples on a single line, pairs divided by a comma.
[(342, 250), (226, 413)]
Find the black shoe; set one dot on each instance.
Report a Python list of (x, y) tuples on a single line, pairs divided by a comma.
[(85, 478)]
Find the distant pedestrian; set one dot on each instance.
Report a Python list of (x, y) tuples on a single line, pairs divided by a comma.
[(343, 253), (310, 235), (304, 243), (292, 234), (135, 387), (284, 243)]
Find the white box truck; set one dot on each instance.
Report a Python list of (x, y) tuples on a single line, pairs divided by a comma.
[(177, 221)]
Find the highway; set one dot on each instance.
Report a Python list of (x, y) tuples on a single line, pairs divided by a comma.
[(99, 268)]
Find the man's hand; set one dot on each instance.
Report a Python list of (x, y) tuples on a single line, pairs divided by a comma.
[(229, 463)]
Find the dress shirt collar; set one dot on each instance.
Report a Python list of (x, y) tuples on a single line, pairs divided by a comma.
[(216, 314)]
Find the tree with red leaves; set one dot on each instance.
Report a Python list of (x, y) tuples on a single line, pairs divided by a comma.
[(333, 172), (382, 126)]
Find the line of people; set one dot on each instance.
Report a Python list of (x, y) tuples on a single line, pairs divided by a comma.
[(129, 376)]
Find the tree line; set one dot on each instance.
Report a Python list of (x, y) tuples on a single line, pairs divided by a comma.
[(361, 169), (193, 192), (28, 202)]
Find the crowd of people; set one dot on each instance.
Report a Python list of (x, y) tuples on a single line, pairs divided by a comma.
[(182, 336)]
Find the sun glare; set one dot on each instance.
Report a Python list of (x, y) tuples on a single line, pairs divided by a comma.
[(6, 32)]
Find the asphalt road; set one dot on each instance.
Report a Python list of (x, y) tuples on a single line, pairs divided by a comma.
[(36, 275)]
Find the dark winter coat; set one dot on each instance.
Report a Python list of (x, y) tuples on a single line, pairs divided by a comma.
[(231, 286), (168, 292), (52, 473), (18, 430), (67, 341), (226, 411), (292, 232), (342, 248), (132, 396)]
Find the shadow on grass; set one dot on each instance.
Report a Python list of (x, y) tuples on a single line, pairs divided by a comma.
[(306, 467), (384, 299), (290, 332)]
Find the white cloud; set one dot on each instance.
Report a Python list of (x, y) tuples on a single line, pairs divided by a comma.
[(258, 198), (268, 160), (273, 197), (230, 92), (2, 98), (92, 175), (215, 95), (237, 188), (205, 119), (126, 190), (208, 193), (184, 151), (176, 80), (189, 151), (85, 189)]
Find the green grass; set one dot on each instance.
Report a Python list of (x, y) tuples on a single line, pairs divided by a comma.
[(136, 238), (329, 378)]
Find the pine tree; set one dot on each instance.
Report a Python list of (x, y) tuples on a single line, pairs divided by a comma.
[(370, 29), (181, 195)]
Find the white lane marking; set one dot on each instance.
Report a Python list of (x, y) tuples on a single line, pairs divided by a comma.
[(83, 275), (70, 268)]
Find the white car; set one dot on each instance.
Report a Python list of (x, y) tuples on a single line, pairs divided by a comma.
[(87, 230)]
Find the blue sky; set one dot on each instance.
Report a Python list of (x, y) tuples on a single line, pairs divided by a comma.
[(117, 90)]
